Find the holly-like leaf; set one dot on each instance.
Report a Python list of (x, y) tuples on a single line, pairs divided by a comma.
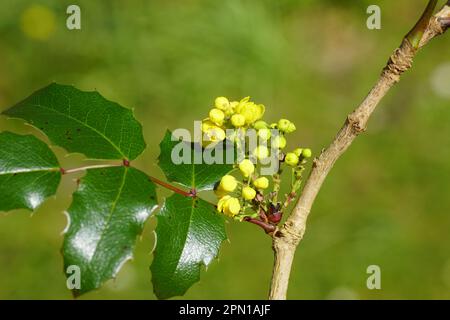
[(184, 163), (82, 122), (29, 172), (189, 234), (107, 214)]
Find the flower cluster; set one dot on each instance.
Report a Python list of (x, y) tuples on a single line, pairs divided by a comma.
[(230, 114), (246, 195)]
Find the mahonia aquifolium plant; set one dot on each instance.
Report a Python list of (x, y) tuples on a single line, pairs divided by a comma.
[(114, 200), (248, 197)]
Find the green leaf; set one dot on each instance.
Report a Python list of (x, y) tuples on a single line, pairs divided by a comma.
[(107, 215), (29, 172), (200, 176), (83, 122), (189, 234)]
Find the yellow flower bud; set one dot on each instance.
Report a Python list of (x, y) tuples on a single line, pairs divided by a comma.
[(207, 124), (264, 134), (279, 142), (260, 124), (261, 152), (216, 116), (221, 103), (307, 153), (222, 202), (291, 159), (286, 126), (261, 183), (231, 207), (248, 193), (291, 128), (237, 120), (228, 183), (298, 152), (247, 167), (212, 132)]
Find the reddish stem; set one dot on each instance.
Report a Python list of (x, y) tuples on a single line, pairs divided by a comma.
[(173, 188), (268, 228)]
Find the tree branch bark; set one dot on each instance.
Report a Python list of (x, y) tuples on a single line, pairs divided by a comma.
[(288, 236)]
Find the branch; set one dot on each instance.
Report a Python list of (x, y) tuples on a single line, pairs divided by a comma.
[(287, 237)]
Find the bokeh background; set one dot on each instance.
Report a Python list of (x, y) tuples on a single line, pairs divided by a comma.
[(385, 203)]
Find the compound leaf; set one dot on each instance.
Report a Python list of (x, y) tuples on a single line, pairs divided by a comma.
[(82, 122), (29, 172), (189, 234), (107, 215), (184, 163)]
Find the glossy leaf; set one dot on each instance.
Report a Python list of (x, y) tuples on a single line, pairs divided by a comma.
[(82, 122), (201, 176), (107, 214), (189, 234), (29, 172)]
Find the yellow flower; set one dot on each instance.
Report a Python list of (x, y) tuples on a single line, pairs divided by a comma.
[(216, 116), (261, 183), (251, 111), (228, 183), (221, 103), (247, 167), (222, 202), (229, 206), (291, 159), (279, 142), (248, 193), (237, 120), (261, 152)]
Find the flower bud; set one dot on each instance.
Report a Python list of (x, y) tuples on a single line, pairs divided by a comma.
[(247, 167), (248, 193), (291, 159), (286, 126), (298, 152), (214, 134), (222, 202), (222, 103), (279, 142), (237, 120), (307, 153), (261, 152), (216, 116), (283, 124), (229, 206), (261, 183), (228, 183), (260, 124), (264, 134)]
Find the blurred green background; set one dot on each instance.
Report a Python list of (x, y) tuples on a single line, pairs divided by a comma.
[(385, 203)]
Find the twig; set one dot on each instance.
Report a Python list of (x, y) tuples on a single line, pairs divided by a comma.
[(287, 237)]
